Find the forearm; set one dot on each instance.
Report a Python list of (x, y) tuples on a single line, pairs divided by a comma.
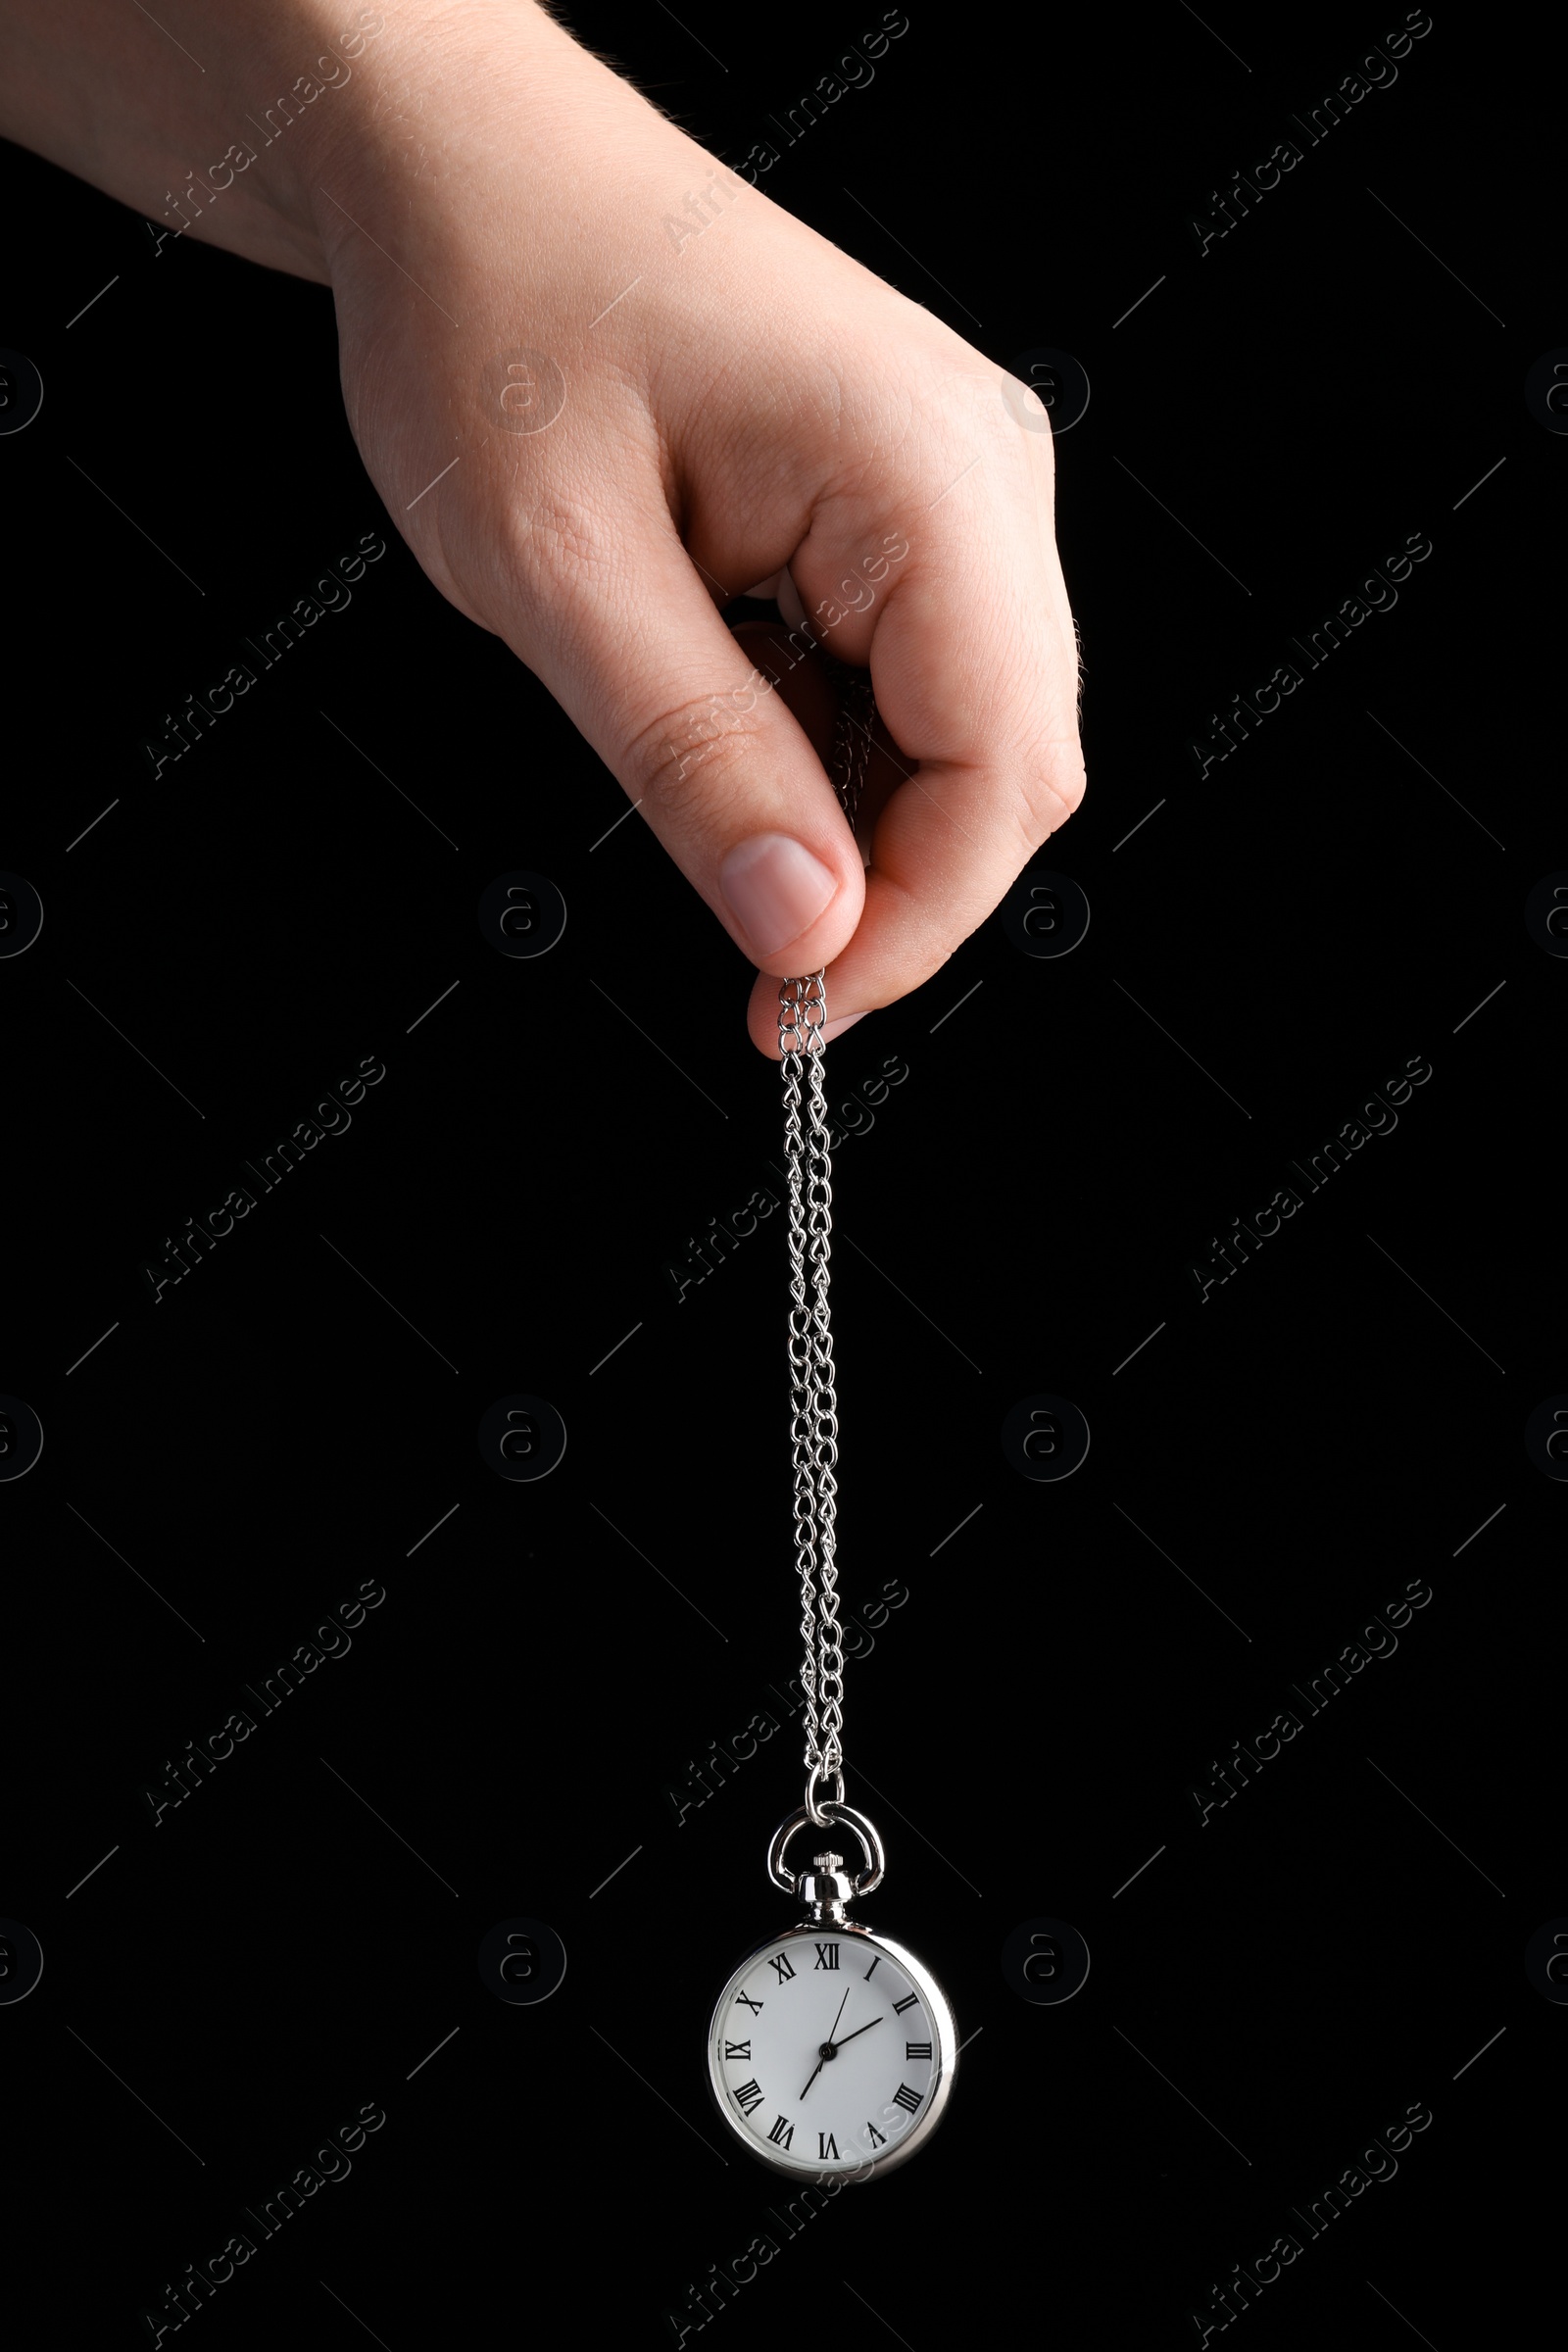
[(219, 119)]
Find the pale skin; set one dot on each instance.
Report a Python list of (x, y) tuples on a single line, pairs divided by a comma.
[(740, 396)]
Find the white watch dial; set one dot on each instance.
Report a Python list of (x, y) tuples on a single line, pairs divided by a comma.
[(825, 2051)]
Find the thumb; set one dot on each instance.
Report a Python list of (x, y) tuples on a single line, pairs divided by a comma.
[(703, 743)]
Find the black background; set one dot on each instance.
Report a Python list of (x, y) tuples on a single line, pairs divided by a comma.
[(1280, 938)]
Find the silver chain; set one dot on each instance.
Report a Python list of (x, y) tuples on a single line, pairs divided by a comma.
[(814, 1420)]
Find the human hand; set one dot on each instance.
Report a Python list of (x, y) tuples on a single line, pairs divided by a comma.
[(723, 394), (734, 398)]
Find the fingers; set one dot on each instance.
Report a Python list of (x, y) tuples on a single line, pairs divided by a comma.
[(699, 739), (802, 684), (974, 662)]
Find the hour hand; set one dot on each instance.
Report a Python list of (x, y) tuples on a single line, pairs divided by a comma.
[(865, 2029)]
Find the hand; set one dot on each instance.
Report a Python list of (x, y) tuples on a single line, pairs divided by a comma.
[(827, 2050), (735, 396), (849, 2037)]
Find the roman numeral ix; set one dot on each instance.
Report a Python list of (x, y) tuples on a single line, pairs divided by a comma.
[(743, 2049)]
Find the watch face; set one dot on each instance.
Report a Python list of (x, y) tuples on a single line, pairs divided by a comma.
[(831, 2051)]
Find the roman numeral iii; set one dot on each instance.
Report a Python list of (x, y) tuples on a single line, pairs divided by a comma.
[(912, 2050), (780, 1965)]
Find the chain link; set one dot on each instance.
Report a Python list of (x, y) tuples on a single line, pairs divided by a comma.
[(814, 1420)]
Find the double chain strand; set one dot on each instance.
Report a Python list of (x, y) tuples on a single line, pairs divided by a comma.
[(814, 1421)]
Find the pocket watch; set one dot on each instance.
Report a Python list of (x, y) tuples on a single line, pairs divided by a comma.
[(832, 2049)]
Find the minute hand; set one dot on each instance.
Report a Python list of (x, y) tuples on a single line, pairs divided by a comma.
[(876, 2020), (828, 2049)]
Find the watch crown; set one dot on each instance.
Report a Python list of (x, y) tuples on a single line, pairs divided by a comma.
[(824, 1890)]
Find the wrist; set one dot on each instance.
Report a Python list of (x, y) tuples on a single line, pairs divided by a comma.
[(292, 88), (429, 82), (289, 103)]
